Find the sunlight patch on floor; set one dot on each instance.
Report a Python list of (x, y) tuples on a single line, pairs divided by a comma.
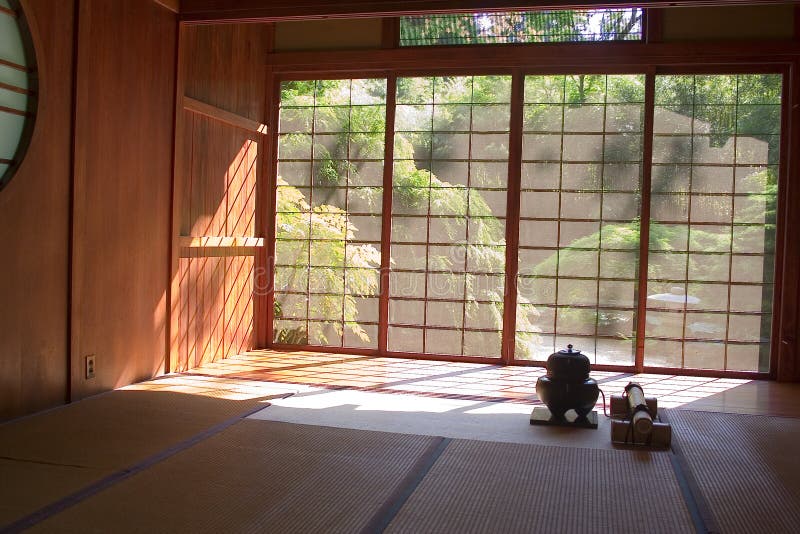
[(221, 388), (431, 379)]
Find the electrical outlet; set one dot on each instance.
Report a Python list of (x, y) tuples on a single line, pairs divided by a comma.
[(90, 366)]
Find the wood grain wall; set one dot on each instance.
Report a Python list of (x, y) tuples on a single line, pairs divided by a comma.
[(332, 34), (122, 188), (34, 231), (98, 176), (729, 22), (219, 153)]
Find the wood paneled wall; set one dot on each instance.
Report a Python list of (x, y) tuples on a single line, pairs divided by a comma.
[(125, 83), (728, 22), (219, 153), (34, 231), (331, 34), (84, 224)]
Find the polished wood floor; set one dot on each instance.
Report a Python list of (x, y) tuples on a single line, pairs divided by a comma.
[(478, 381)]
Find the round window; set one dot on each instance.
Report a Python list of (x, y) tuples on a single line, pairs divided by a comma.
[(17, 88)]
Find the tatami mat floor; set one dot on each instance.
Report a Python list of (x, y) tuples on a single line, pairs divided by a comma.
[(305, 442)]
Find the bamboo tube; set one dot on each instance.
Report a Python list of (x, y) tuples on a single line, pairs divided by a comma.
[(618, 406), (642, 421)]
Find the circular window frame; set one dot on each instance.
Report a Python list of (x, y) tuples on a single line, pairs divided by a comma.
[(32, 91)]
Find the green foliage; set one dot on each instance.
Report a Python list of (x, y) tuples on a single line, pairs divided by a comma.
[(297, 93), (296, 221), (417, 189), (575, 89), (327, 173), (623, 236), (582, 88), (349, 122), (411, 188), (747, 104), (491, 89), (290, 336)]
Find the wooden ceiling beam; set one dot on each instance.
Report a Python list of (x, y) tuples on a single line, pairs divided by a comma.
[(207, 11), (551, 59)]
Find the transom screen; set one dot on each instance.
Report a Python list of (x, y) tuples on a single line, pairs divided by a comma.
[(709, 265), (546, 26)]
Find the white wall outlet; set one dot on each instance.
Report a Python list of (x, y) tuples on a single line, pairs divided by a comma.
[(90, 366)]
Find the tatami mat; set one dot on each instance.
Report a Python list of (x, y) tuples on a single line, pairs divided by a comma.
[(178, 455), (256, 476), (264, 476), (53, 454), (746, 466), (502, 487), (113, 430), (431, 416), (28, 486)]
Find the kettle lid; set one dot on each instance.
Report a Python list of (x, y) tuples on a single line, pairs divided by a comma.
[(569, 350)]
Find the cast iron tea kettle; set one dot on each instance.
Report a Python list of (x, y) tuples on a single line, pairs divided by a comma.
[(567, 385)]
